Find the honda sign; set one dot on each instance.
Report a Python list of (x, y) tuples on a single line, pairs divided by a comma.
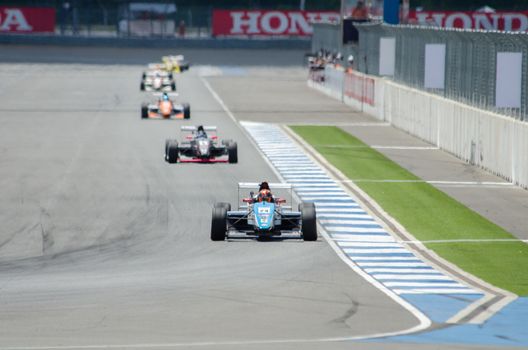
[(27, 19), (269, 23)]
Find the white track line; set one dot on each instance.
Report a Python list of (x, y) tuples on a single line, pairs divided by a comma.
[(418, 148), (433, 182)]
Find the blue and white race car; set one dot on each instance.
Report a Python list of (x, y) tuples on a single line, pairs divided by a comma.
[(263, 215)]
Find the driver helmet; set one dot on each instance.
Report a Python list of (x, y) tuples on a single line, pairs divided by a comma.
[(264, 196), (165, 97), (264, 186)]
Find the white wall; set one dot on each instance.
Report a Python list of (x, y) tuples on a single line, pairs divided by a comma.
[(492, 141)]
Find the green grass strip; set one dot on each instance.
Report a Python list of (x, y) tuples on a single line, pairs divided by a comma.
[(426, 212)]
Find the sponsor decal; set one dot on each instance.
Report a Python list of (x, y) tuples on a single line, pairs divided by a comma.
[(508, 21), (27, 19), (269, 23)]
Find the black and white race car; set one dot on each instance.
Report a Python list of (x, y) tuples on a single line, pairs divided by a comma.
[(157, 80), (200, 145)]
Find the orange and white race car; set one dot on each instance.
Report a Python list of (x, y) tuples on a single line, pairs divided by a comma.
[(165, 108)]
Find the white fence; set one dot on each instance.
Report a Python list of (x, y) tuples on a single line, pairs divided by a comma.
[(492, 141)]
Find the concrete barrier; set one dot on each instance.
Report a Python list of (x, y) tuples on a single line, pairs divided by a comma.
[(203, 43), (492, 141)]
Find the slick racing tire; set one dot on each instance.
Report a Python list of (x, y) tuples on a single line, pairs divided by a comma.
[(144, 75), (170, 76), (142, 86), (144, 111), (308, 221), (171, 151), (186, 111), (219, 223), (224, 204), (232, 152), (173, 86)]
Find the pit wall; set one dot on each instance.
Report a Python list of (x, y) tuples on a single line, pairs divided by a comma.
[(491, 141)]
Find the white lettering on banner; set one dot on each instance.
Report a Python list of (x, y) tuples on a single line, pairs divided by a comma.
[(438, 18), (298, 20), (522, 22), (14, 17), (482, 21), (265, 23), (276, 22), (466, 20), (239, 22), (508, 21)]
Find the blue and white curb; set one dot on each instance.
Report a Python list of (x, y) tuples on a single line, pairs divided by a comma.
[(357, 233)]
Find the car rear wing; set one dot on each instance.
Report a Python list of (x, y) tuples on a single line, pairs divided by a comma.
[(173, 57), (153, 72), (192, 128), (156, 66), (170, 94), (253, 185)]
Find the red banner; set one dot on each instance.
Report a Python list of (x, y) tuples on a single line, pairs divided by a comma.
[(268, 23), (27, 20), (508, 21), (360, 88)]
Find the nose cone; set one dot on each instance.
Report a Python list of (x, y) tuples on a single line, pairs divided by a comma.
[(165, 108)]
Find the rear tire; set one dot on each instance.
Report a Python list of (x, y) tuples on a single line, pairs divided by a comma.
[(173, 86), (224, 205), (186, 111), (308, 221), (144, 111), (142, 86), (232, 152), (219, 222), (171, 151)]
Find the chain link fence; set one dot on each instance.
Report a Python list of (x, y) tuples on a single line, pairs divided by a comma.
[(470, 64)]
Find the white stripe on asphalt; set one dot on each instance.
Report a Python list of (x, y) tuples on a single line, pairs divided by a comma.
[(402, 270), (368, 244), (384, 264), (411, 278), (388, 259), (349, 222), (362, 238), (344, 216), (423, 284), (353, 230), (377, 250), (435, 291)]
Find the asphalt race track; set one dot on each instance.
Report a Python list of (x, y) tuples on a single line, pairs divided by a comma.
[(103, 244)]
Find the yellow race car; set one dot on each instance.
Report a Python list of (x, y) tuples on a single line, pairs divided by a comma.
[(175, 63)]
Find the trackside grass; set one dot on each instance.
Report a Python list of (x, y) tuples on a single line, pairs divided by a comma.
[(426, 212)]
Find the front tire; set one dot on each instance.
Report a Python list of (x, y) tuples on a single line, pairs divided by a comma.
[(173, 86), (171, 151), (232, 152), (186, 111), (308, 221), (219, 222), (144, 111), (142, 86)]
